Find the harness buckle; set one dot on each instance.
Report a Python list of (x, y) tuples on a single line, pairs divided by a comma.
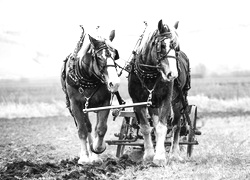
[(150, 95), (81, 90), (86, 105)]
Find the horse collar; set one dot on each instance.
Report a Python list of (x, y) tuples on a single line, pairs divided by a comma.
[(80, 80), (145, 73)]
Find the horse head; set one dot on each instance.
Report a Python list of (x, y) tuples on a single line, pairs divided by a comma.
[(161, 51), (103, 63)]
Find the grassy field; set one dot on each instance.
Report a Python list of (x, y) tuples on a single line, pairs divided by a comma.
[(40, 140), (49, 90), (49, 147), (41, 98), (221, 87)]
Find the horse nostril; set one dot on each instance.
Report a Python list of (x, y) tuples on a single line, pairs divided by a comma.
[(169, 75), (111, 84)]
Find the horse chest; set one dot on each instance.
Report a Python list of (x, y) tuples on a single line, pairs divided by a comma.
[(139, 89), (95, 99)]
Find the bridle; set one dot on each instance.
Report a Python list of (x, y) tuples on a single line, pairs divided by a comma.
[(160, 45), (95, 58), (100, 76), (82, 79)]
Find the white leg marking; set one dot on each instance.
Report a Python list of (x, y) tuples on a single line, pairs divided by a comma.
[(84, 155), (148, 145), (160, 158), (92, 156), (174, 154)]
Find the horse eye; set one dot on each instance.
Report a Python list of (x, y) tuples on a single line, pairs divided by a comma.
[(108, 54), (102, 58)]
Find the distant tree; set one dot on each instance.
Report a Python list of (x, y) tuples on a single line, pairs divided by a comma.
[(199, 71), (245, 73), (23, 80)]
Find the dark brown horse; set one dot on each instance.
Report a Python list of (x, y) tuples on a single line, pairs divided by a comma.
[(179, 102), (89, 81), (152, 79), (179, 99)]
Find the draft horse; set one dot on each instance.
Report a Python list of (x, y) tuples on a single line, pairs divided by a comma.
[(152, 75), (88, 81)]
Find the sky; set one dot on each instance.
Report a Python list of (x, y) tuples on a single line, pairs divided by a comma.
[(37, 35)]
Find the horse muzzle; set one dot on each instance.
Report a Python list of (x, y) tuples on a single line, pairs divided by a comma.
[(113, 86), (112, 79), (169, 76)]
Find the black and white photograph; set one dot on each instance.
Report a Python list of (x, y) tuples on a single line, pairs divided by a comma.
[(128, 90)]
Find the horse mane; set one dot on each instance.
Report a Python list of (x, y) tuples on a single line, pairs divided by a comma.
[(175, 38), (149, 36), (145, 45)]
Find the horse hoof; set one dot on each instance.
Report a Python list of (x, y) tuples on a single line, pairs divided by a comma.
[(160, 159), (160, 162), (148, 158), (95, 158), (176, 158), (83, 161), (96, 152), (148, 155)]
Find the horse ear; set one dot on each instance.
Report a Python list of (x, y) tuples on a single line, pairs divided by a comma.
[(93, 41), (160, 26), (112, 35), (176, 25)]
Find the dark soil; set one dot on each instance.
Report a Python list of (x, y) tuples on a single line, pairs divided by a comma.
[(48, 147), (66, 169)]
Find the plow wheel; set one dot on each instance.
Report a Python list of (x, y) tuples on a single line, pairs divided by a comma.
[(192, 127), (122, 136)]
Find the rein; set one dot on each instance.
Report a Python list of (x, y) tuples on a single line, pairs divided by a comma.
[(153, 73), (86, 104), (127, 67), (81, 79), (157, 66), (143, 74)]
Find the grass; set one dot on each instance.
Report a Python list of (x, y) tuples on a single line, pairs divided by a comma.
[(223, 150), (41, 98), (221, 87), (222, 153), (30, 91)]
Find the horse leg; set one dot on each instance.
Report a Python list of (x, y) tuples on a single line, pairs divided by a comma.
[(99, 145), (145, 129), (160, 131), (83, 130), (92, 156), (175, 147), (159, 117)]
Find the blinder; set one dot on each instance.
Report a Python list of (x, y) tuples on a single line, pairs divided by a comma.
[(160, 44), (98, 66)]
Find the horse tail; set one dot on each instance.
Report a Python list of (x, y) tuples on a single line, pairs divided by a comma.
[(63, 82), (63, 70)]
